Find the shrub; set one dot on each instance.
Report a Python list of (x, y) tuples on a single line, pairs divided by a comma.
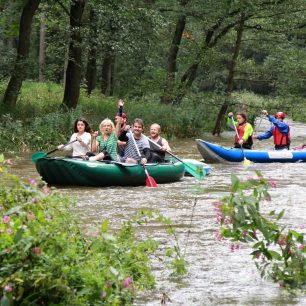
[(46, 259), (278, 252)]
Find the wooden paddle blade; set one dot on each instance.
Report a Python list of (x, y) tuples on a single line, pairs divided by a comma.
[(38, 155), (195, 170)]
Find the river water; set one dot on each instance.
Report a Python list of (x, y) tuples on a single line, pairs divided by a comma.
[(216, 276)]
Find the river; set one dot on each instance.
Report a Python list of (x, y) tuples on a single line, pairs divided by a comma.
[(216, 276)]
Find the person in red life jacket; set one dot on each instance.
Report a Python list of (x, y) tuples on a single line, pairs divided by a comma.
[(279, 130), (244, 130)]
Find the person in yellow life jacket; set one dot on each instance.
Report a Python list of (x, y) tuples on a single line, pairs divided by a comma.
[(244, 130), (279, 130)]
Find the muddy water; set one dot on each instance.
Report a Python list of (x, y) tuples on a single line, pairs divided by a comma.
[(216, 275)]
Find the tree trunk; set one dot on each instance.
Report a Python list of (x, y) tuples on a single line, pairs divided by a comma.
[(73, 72), (216, 32), (230, 78), (91, 72), (167, 96), (42, 49), (107, 83), (20, 67)]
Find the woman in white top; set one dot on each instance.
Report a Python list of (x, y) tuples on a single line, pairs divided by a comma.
[(82, 135)]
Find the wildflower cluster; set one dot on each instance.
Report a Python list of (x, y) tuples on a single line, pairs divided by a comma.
[(278, 252), (46, 258)]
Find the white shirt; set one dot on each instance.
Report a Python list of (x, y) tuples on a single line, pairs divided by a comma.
[(79, 148)]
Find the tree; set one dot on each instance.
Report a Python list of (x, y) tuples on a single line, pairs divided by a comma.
[(231, 74), (73, 72), (91, 72), (173, 53), (19, 70)]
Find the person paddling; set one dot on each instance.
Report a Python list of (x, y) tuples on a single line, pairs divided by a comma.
[(158, 151), (82, 134), (244, 130), (280, 131), (131, 153)]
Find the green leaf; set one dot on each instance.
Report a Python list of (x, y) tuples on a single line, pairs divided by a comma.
[(280, 215), (18, 235), (275, 255), (104, 226), (235, 182)]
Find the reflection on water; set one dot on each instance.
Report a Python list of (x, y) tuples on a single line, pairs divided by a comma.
[(216, 275)]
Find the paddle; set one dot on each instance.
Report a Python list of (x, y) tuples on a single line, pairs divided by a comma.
[(150, 182), (194, 170), (246, 162), (38, 155)]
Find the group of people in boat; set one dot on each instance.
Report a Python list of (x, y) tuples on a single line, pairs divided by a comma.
[(279, 129), (118, 142)]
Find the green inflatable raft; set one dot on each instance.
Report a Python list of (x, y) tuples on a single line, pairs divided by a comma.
[(69, 171)]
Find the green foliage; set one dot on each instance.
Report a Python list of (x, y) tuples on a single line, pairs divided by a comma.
[(39, 123), (47, 259), (278, 252)]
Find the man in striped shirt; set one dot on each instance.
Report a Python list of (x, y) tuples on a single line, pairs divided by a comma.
[(131, 154)]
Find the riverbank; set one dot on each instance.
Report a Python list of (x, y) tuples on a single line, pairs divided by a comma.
[(38, 122)]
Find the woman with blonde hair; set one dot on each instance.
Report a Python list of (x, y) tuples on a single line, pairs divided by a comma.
[(106, 143)]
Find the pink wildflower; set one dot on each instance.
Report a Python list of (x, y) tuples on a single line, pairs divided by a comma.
[(127, 282), (34, 200), (33, 182), (47, 190), (9, 231), (244, 233), (8, 288), (272, 183), (6, 219), (219, 218), (219, 236), (302, 226), (8, 162), (282, 241), (103, 295), (218, 204), (37, 251), (228, 220), (302, 247)]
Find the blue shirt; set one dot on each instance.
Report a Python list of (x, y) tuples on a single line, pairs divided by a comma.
[(282, 126)]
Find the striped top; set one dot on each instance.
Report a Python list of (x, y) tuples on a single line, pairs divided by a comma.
[(130, 149), (109, 145)]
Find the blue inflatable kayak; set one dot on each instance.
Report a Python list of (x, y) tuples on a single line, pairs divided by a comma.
[(214, 153)]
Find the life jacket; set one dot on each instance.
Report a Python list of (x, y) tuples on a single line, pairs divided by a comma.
[(240, 130), (281, 139)]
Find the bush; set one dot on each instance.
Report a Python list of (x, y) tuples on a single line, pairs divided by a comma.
[(46, 259)]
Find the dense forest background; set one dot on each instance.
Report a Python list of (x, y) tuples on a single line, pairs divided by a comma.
[(183, 63)]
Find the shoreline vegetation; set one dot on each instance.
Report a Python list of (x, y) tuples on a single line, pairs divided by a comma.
[(39, 122), (49, 257)]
